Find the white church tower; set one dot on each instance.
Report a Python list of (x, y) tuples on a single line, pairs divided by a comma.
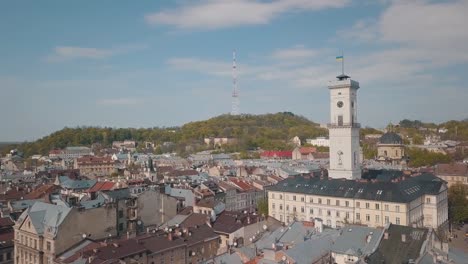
[(344, 129)]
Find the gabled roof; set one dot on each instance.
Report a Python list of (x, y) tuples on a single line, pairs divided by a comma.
[(45, 216), (41, 191), (242, 185), (102, 186), (410, 249)]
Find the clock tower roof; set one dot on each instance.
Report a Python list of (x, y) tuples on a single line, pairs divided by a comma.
[(342, 77)]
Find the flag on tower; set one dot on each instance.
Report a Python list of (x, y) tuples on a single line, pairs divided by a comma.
[(339, 58)]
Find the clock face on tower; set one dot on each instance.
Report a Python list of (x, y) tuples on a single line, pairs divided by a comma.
[(339, 104)]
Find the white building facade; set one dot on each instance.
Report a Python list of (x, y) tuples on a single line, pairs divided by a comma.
[(344, 129), (319, 142)]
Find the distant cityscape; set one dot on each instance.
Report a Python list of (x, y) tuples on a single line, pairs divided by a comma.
[(343, 198)]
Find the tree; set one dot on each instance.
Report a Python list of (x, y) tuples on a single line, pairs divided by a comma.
[(422, 157), (458, 202), (262, 206), (369, 151)]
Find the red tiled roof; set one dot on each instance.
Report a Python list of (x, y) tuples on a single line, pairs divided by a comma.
[(102, 186), (41, 192), (307, 150), (90, 160), (277, 154), (6, 221), (177, 173), (458, 169), (13, 194), (242, 185)]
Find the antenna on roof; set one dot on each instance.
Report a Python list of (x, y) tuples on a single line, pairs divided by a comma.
[(235, 92)]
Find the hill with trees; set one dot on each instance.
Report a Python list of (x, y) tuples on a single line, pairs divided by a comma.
[(268, 131)]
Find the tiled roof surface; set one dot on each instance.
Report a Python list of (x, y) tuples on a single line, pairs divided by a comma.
[(405, 190), (41, 191), (230, 221), (244, 186), (307, 150), (102, 186), (458, 169), (277, 154), (394, 251)]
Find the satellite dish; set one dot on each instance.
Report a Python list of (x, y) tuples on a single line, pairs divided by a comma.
[(250, 239), (83, 236), (284, 258), (139, 222)]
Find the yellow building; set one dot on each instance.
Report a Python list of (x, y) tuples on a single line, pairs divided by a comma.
[(390, 149), (45, 230), (419, 201)]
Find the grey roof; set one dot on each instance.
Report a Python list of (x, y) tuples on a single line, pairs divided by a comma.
[(358, 240), (117, 194), (410, 249), (22, 204), (310, 250), (45, 216), (390, 138), (396, 191), (98, 202), (294, 232), (176, 220), (227, 259), (68, 183)]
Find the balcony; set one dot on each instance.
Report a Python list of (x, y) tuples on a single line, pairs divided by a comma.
[(343, 125)]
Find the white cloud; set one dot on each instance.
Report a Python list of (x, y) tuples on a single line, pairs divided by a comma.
[(201, 66), (119, 101), (295, 53), (62, 53), (423, 30), (213, 14), (65, 53)]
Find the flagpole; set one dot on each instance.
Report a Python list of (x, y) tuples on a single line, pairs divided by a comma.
[(342, 63)]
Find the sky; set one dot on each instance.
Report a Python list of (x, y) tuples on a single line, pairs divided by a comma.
[(164, 63)]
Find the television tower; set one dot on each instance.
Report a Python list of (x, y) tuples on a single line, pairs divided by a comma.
[(235, 92)]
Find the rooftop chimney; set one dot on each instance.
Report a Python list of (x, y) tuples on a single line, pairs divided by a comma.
[(403, 237), (386, 235)]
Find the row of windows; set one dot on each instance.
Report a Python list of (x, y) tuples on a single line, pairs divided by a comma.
[(29, 242), (4, 257), (337, 203), (358, 217)]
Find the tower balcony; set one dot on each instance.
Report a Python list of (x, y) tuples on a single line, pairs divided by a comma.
[(344, 125)]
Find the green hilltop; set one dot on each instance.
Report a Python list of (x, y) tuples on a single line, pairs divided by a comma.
[(267, 131)]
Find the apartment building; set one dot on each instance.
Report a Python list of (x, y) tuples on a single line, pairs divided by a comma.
[(419, 201)]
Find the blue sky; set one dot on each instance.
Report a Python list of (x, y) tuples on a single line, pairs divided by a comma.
[(165, 63)]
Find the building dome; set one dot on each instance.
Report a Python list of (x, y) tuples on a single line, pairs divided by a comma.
[(391, 138)]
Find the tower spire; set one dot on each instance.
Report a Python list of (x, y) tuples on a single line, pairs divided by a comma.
[(235, 92)]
